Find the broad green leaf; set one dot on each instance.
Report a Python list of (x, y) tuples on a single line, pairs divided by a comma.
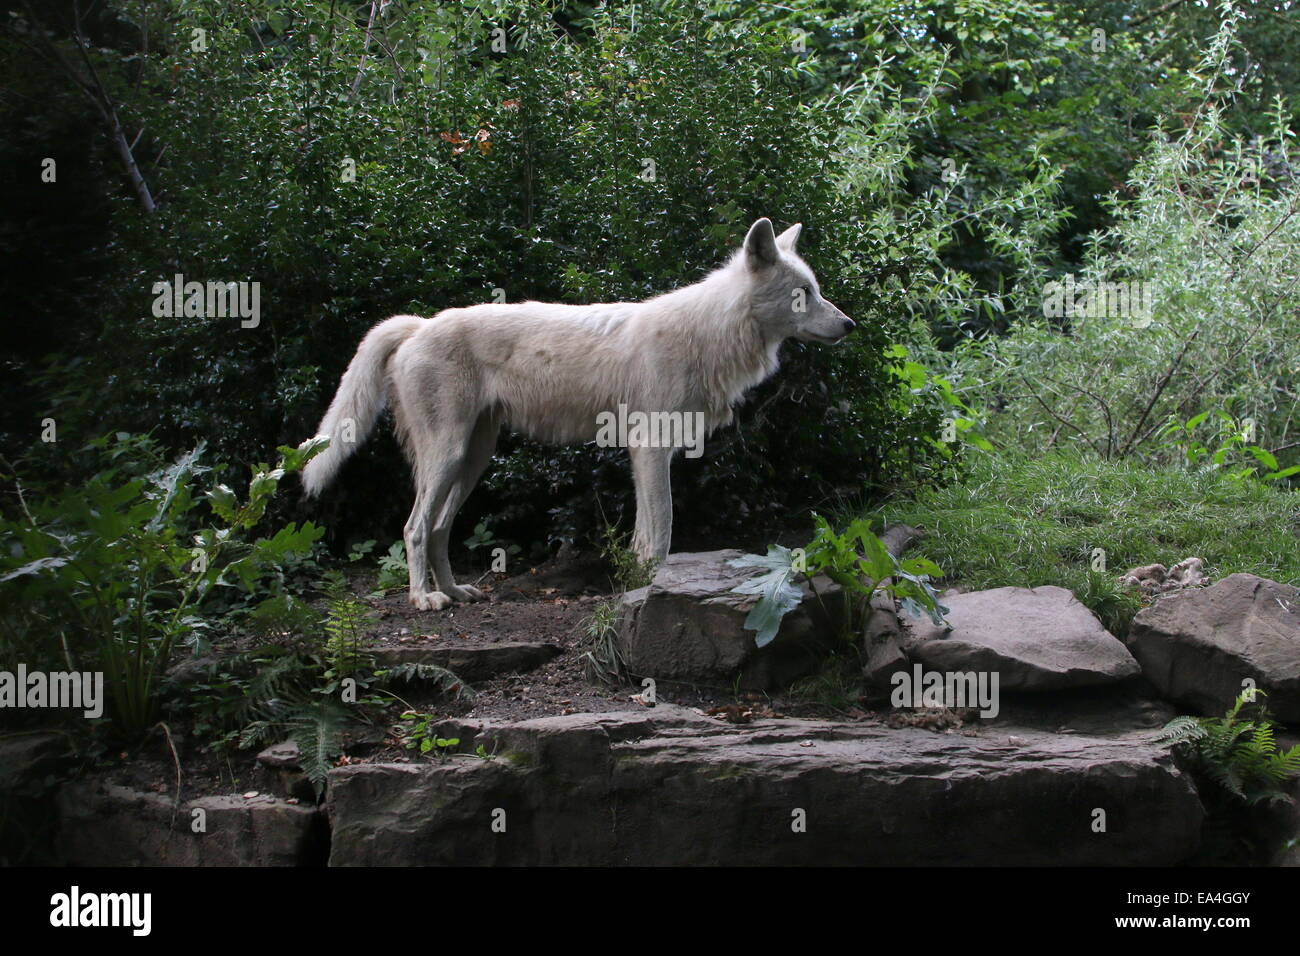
[(777, 596)]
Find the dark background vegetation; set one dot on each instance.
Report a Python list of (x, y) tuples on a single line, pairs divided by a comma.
[(948, 160), (242, 147)]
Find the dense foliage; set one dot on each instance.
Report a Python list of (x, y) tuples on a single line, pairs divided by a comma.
[(435, 163), (952, 161), (943, 155)]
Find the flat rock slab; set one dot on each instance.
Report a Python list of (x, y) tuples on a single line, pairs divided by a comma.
[(665, 786), (103, 824), (1035, 639), (689, 626), (1199, 646), (471, 662), (27, 757)]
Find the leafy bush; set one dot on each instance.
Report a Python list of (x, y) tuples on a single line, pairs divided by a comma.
[(1235, 450), (1206, 232), (119, 569), (523, 170), (857, 561)]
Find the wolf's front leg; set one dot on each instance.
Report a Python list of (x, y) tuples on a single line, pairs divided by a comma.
[(654, 502)]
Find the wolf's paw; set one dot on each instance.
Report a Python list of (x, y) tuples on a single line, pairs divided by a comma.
[(430, 600), (466, 592)]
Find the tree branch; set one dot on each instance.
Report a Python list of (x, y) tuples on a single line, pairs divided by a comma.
[(98, 94), (365, 50), (1047, 408)]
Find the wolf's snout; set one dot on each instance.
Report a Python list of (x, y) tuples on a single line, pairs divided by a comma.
[(849, 325)]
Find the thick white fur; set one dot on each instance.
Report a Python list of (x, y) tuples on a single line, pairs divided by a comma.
[(549, 370)]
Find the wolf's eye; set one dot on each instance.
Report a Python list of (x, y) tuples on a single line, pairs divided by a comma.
[(805, 289)]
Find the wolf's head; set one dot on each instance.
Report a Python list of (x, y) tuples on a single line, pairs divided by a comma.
[(786, 299)]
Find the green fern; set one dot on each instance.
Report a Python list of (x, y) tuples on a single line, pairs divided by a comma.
[(317, 726), (272, 680), (257, 733), (345, 621), (230, 700), (1236, 754), (1182, 730), (443, 680)]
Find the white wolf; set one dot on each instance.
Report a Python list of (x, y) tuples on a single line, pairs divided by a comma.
[(551, 370)]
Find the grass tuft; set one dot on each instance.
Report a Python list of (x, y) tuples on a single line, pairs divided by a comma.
[(1030, 521)]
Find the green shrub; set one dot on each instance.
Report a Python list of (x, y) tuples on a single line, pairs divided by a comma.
[(522, 171), (856, 560), (118, 570), (1206, 234)]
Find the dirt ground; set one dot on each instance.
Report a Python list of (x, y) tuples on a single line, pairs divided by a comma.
[(551, 604)]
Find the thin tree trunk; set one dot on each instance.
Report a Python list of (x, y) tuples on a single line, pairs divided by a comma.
[(365, 50), (98, 95)]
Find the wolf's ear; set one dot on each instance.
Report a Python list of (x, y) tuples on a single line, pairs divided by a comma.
[(788, 238), (760, 244)]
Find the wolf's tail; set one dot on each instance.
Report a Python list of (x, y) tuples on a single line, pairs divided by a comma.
[(359, 400)]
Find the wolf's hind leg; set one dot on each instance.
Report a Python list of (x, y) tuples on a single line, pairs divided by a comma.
[(415, 537), (439, 458), (478, 453), (435, 482)]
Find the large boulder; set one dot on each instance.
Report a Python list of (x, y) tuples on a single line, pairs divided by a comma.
[(104, 824), (1035, 639), (689, 626), (31, 764), (1198, 647), (666, 786), (26, 758)]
